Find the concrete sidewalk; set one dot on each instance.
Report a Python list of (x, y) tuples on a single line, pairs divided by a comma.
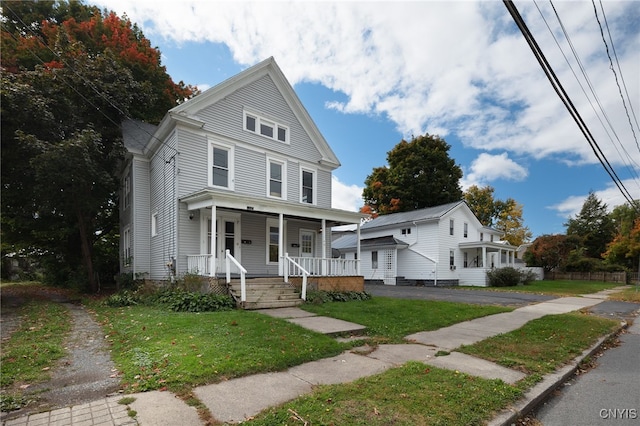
[(239, 399)]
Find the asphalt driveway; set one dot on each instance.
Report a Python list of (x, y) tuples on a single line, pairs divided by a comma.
[(452, 294)]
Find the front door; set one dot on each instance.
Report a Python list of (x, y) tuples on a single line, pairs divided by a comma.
[(307, 251), (227, 238)]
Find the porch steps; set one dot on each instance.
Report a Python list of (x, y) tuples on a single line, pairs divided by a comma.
[(266, 293)]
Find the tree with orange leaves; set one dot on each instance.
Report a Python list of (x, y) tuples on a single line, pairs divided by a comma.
[(70, 75)]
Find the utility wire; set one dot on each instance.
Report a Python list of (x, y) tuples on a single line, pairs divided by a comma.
[(630, 168), (84, 79), (595, 10), (557, 86)]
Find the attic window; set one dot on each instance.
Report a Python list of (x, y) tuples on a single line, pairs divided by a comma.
[(406, 231), (264, 127)]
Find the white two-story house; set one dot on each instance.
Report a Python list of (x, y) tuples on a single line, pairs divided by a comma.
[(240, 171), (441, 245)]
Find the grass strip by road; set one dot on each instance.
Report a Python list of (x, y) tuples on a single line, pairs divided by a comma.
[(156, 349), (543, 345), (389, 320), (630, 294), (413, 394)]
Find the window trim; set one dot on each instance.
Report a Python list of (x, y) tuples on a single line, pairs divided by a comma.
[(374, 259), (260, 121), (126, 246), (451, 226), (154, 224), (126, 202), (230, 164), (466, 230), (283, 182), (314, 183), (273, 223)]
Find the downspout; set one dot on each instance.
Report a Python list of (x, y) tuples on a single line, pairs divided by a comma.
[(435, 278)]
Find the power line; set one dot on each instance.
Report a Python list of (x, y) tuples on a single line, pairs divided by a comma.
[(595, 10), (557, 86), (84, 79), (630, 168)]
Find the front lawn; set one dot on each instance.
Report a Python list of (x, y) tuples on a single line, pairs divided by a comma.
[(155, 348), (389, 320)]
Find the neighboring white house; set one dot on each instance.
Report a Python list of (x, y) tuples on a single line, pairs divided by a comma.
[(441, 245), (240, 168)]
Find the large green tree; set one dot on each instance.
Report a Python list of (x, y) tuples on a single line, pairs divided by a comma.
[(419, 174), (70, 75), (593, 226), (624, 249), (503, 215)]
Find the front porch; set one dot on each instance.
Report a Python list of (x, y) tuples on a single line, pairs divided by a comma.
[(481, 257)]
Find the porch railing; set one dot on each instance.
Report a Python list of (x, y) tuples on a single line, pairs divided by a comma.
[(199, 264), (291, 264), (324, 267), (229, 259)]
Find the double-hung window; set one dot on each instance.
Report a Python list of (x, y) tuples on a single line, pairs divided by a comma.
[(126, 247), (268, 128), (307, 180), (126, 191), (276, 178), (220, 166)]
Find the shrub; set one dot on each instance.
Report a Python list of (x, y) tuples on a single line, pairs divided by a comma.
[(508, 277), (320, 297), (187, 301), (123, 298)]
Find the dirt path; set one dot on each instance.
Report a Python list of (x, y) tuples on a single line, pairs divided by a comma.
[(85, 374)]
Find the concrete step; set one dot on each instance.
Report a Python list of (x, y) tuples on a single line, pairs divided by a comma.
[(272, 304)]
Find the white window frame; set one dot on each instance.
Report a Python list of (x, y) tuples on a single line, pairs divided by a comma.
[(230, 164), (262, 121), (126, 202), (466, 230), (283, 183), (126, 246), (154, 224), (314, 188), (374, 259), (451, 226), (271, 223)]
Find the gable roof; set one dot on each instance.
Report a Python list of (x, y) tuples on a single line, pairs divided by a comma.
[(267, 67), (422, 215)]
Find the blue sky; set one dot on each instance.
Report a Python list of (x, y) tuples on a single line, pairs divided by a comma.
[(372, 73)]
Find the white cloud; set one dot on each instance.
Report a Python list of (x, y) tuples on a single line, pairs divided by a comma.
[(441, 67), (345, 197), (611, 196), (487, 168)]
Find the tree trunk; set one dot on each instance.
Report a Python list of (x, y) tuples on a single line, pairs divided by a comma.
[(87, 252)]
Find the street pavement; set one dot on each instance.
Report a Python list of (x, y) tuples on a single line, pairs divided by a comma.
[(608, 394), (236, 400)]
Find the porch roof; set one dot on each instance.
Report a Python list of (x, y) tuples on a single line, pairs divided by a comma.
[(349, 242), (489, 245), (208, 197)]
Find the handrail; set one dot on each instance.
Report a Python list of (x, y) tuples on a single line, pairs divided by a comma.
[(305, 274), (243, 286)]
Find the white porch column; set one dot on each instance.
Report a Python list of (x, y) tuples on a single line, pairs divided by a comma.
[(499, 258), (214, 247), (358, 249), (324, 246), (484, 257), (281, 244)]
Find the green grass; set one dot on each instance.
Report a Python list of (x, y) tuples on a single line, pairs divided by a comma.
[(631, 293), (556, 287), (154, 348), (32, 350), (390, 320), (413, 394), (544, 344)]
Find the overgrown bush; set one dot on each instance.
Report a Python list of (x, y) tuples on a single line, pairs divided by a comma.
[(187, 301), (320, 297), (508, 277), (123, 298)]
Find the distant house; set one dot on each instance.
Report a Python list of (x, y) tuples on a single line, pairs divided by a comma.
[(239, 175), (442, 245)]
